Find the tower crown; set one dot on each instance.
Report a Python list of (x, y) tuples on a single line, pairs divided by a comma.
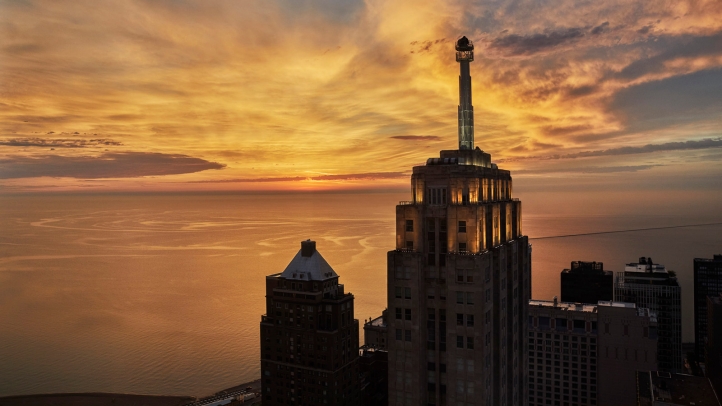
[(464, 50)]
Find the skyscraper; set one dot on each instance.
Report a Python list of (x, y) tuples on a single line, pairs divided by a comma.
[(309, 338), (459, 279), (650, 285), (707, 282)]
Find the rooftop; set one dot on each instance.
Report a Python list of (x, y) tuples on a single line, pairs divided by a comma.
[(675, 389), (309, 265)]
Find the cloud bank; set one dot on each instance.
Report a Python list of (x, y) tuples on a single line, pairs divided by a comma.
[(108, 165)]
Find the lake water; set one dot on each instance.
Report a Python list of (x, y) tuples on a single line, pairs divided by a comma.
[(163, 294)]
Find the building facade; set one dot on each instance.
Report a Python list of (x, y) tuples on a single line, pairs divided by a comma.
[(309, 337), (587, 282), (459, 279), (707, 282), (584, 354), (651, 286)]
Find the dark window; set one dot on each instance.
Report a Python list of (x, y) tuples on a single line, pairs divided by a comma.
[(462, 226), (470, 320), (459, 341), (398, 313), (462, 247), (459, 319), (398, 334), (470, 343), (469, 297), (408, 335), (442, 367), (460, 297), (407, 293), (409, 245), (432, 313), (408, 314), (431, 366), (398, 292), (409, 225)]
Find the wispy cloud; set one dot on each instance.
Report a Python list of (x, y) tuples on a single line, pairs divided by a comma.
[(346, 176), (416, 137), (669, 146), (59, 142), (514, 44)]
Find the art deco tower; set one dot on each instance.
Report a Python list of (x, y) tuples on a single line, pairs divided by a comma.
[(459, 279)]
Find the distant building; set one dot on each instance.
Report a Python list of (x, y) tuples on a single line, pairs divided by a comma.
[(584, 354), (309, 337), (587, 282), (375, 332), (707, 282), (459, 278), (651, 286), (713, 352), (655, 388)]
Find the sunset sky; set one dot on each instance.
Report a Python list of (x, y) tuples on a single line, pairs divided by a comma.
[(342, 94)]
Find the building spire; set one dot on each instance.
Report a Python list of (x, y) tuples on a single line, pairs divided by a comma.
[(464, 55)]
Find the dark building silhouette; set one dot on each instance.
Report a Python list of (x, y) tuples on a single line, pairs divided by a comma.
[(651, 286), (713, 350), (707, 282), (587, 282), (459, 279), (309, 337), (374, 370)]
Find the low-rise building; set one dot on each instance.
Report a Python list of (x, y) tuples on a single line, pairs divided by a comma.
[(375, 332)]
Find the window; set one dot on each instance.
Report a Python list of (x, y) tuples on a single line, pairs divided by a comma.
[(431, 366), (398, 313), (407, 293), (459, 319), (462, 247), (408, 314), (409, 245), (398, 334), (398, 291), (409, 225), (470, 298), (408, 335), (470, 343), (462, 226), (459, 341), (432, 313), (470, 320), (460, 297)]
